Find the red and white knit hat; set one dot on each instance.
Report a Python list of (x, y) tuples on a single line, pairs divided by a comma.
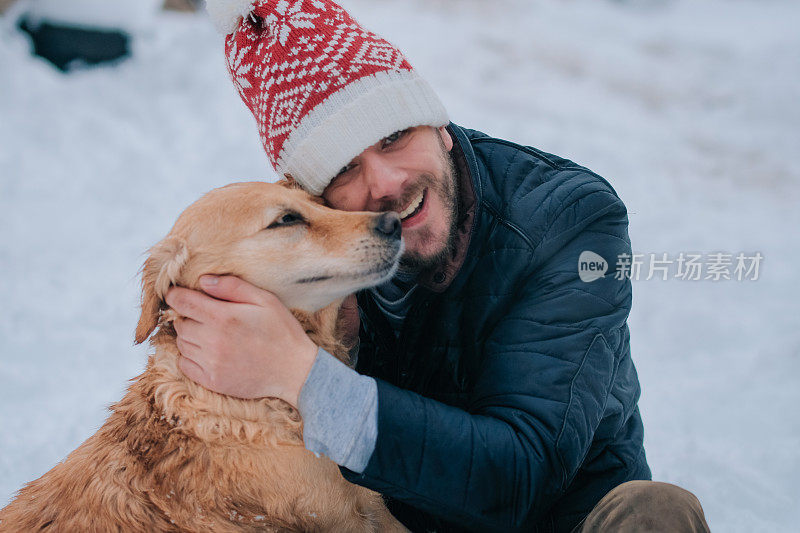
[(321, 87)]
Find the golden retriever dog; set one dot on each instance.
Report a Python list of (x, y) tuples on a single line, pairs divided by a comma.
[(174, 456)]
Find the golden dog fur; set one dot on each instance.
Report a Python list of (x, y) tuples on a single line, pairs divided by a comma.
[(174, 456)]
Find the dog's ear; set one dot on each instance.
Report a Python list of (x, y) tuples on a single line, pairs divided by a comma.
[(160, 270), (289, 182)]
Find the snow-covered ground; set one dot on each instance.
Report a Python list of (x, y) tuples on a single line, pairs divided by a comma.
[(690, 109)]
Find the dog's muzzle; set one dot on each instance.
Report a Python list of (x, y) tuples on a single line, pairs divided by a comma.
[(387, 226)]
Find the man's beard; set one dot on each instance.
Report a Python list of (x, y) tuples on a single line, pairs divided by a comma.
[(446, 188)]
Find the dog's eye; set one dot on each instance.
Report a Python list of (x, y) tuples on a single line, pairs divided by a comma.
[(287, 219)]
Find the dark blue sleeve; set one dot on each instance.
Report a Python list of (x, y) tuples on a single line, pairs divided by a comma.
[(548, 367)]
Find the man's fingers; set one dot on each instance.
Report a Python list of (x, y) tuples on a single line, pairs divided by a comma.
[(349, 320), (188, 329), (191, 304), (233, 289), (192, 370), (350, 304), (189, 349)]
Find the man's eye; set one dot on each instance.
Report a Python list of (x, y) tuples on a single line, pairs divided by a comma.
[(288, 219), (344, 170), (394, 137)]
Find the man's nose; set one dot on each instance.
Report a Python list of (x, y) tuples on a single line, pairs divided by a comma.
[(384, 179)]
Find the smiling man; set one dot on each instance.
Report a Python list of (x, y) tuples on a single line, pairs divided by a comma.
[(409, 172), (494, 389)]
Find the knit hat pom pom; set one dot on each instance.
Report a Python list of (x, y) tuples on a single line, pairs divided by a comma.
[(225, 14)]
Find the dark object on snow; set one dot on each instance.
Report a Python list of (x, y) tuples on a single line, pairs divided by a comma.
[(63, 45)]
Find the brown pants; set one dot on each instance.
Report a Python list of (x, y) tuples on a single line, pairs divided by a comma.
[(641, 506)]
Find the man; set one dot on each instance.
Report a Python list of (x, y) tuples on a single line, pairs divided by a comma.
[(494, 388)]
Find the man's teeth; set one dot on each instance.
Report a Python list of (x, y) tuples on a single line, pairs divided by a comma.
[(412, 206)]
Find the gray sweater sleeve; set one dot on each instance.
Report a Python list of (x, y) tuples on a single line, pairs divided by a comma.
[(339, 407)]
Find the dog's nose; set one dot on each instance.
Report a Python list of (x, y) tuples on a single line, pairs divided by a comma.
[(387, 225)]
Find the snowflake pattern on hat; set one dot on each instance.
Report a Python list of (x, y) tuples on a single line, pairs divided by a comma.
[(287, 58), (316, 58)]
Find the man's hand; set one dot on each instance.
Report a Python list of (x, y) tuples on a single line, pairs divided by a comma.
[(240, 340)]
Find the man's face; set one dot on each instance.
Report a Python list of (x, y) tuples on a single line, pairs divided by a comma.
[(409, 172)]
